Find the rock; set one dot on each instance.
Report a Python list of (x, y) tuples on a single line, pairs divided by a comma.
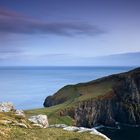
[(58, 125), (20, 113), (6, 107), (20, 124), (5, 122), (38, 125), (83, 129), (71, 128), (39, 119)]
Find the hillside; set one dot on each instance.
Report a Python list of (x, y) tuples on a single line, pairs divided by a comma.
[(104, 101), (17, 133), (16, 125)]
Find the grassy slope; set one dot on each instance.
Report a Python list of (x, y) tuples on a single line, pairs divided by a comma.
[(9, 132), (87, 91), (84, 91), (16, 133), (53, 114)]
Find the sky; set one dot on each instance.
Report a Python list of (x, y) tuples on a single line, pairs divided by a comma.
[(69, 32)]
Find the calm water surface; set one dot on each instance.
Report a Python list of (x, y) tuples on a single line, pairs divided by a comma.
[(126, 133)]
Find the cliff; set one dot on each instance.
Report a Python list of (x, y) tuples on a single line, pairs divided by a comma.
[(108, 100)]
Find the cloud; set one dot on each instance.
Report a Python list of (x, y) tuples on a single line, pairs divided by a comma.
[(122, 59), (15, 26), (12, 22), (5, 12)]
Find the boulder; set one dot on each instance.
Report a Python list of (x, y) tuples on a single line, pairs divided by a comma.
[(20, 113), (39, 120), (6, 107)]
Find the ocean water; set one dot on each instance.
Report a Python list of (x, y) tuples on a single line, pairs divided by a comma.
[(27, 87), (125, 133)]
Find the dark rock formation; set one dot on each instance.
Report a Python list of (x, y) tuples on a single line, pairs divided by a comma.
[(117, 100)]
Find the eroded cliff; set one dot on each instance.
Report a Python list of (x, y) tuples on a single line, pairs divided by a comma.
[(108, 100)]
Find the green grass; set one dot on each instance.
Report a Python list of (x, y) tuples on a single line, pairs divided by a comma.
[(78, 94), (53, 114), (9, 132), (83, 91), (16, 133)]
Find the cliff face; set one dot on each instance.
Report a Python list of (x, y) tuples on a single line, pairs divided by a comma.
[(108, 100)]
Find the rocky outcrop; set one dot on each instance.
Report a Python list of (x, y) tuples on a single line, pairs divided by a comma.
[(79, 130), (13, 117), (83, 129), (6, 107), (117, 100), (9, 115)]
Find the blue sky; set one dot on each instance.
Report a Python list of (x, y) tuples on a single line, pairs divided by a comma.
[(69, 32)]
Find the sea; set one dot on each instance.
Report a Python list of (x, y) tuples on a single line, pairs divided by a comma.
[(27, 88), (124, 133)]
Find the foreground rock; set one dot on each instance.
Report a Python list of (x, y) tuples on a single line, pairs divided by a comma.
[(105, 101), (20, 125), (79, 130), (11, 116), (39, 120)]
